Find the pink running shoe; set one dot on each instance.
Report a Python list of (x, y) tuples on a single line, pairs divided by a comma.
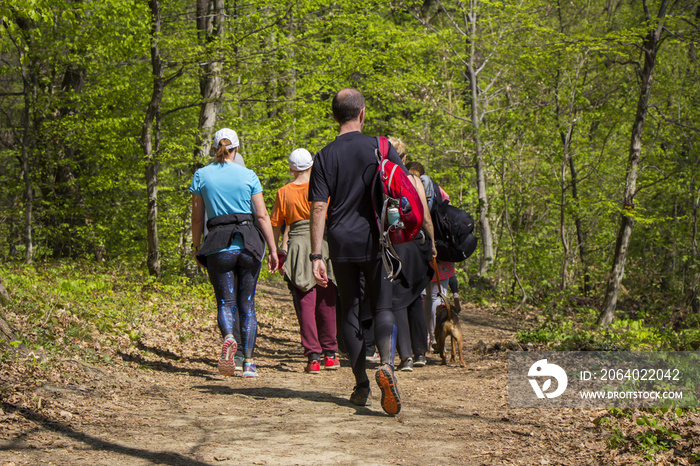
[(227, 363)]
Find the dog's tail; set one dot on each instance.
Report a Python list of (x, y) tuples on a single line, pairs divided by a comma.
[(447, 304)]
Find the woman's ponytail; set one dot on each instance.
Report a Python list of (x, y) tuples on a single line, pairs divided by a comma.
[(222, 152)]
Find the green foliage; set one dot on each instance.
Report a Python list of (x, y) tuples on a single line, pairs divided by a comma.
[(65, 303), (649, 432), (77, 83), (616, 440), (566, 325)]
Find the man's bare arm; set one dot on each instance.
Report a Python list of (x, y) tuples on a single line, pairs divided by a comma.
[(318, 225)]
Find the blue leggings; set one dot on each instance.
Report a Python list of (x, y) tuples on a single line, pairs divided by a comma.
[(234, 275)]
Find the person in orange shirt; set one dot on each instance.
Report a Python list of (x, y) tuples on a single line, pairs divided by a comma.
[(316, 304)]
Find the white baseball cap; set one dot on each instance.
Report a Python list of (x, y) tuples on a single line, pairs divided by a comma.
[(300, 160), (226, 133)]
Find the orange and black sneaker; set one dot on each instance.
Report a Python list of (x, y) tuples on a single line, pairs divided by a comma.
[(391, 401), (361, 396)]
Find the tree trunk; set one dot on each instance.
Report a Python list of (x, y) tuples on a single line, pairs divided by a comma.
[(4, 295), (568, 158), (210, 29), (486, 258), (509, 228), (28, 191), (566, 142), (579, 230), (147, 143), (29, 89), (692, 296), (650, 49), (6, 332)]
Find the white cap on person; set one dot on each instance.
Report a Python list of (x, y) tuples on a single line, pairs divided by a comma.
[(226, 133), (300, 160)]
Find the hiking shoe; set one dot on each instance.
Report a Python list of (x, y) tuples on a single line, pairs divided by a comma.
[(313, 367), (361, 396), (406, 365), (249, 370), (420, 361), (374, 358), (331, 362), (391, 401), (227, 364), (239, 363)]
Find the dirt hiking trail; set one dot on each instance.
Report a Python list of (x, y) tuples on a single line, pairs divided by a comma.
[(162, 401)]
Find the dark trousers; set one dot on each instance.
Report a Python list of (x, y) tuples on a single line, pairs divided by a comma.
[(379, 292), (412, 330), (316, 314), (234, 276)]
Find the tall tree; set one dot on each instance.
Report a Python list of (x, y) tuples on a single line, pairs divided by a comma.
[(649, 49), (150, 138), (211, 28), (20, 28), (475, 43), (478, 103)]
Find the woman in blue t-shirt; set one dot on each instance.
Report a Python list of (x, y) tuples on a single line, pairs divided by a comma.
[(234, 246)]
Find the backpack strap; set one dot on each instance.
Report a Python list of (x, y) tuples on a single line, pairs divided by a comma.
[(382, 148), (438, 194), (390, 259)]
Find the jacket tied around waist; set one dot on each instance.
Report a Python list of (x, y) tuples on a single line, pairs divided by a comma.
[(298, 268), (223, 228)]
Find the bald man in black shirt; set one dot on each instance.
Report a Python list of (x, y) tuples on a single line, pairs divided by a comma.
[(340, 187)]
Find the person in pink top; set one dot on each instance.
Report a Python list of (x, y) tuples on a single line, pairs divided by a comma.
[(445, 270)]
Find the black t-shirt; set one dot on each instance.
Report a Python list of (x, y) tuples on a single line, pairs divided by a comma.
[(343, 171)]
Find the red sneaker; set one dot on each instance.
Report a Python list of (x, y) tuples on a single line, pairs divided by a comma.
[(331, 362), (313, 367)]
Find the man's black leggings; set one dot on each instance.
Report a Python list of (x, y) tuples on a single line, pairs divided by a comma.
[(379, 291)]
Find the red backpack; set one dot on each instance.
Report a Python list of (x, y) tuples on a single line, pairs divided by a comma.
[(400, 213)]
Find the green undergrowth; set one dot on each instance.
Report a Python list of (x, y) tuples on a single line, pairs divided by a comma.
[(663, 434), (652, 433), (59, 306), (569, 324)]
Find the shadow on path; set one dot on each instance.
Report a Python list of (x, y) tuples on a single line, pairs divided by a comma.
[(167, 366), (268, 393), (156, 457)]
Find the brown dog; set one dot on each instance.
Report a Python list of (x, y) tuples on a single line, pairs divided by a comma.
[(447, 324)]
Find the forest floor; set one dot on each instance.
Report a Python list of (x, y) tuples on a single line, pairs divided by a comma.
[(161, 401)]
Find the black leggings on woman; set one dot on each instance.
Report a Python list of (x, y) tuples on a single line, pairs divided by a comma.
[(234, 275)]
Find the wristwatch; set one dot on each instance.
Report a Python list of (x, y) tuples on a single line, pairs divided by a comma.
[(313, 257)]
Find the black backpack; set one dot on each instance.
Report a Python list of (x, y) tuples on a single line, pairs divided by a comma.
[(454, 238)]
